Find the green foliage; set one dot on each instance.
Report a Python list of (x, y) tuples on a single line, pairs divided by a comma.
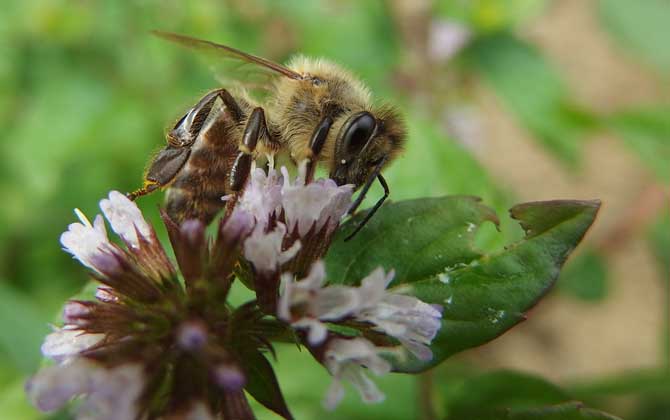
[(509, 395), (585, 277), (429, 242), (87, 94), (533, 91), (641, 26), (647, 133), (263, 386)]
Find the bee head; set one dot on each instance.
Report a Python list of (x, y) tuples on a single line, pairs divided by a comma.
[(365, 144)]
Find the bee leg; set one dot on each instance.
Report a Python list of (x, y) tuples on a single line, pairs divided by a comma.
[(163, 169), (188, 127), (255, 128), (373, 210), (148, 187), (376, 174), (316, 143)]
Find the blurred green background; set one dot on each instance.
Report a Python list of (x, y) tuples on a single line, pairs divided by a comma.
[(510, 100)]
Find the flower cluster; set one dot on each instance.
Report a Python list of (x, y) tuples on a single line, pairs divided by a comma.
[(159, 340)]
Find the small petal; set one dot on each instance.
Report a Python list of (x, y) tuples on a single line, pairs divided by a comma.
[(314, 204), (193, 232), (53, 386), (262, 196), (73, 311), (125, 218), (113, 393), (229, 377), (239, 224), (65, 343), (192, 335), (264, 250), (345, 360), (334, 395), (84, 241), (317, 330), (105, 294)]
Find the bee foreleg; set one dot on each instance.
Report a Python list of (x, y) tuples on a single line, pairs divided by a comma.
[(319, 136), (164, 167), (255, 128), (374, 209)]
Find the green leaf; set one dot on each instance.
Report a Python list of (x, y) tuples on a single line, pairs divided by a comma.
[(568, 411), (262, 383), (504, 389), (532, 90), (646, 132), (642, 26), (585, 277), (511, 395), (429, 242)]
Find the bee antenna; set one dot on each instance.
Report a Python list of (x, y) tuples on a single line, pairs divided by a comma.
[(375, 175)]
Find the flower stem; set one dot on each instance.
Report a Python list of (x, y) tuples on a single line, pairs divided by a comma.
[(425, 396)]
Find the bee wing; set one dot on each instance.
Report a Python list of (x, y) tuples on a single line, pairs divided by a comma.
[(229, 52)]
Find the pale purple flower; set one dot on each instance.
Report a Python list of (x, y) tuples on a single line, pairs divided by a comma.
[(411, 321), (264, 250), (111, 394), (345, 360), (262, 195), (85, 240), (192, 335), (66, 343), (446, 38), (314, 205), (89, 242), (125, 218), (318, 303), (229, 377)]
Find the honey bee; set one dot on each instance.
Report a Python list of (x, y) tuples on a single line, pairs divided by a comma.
[(316, 113)]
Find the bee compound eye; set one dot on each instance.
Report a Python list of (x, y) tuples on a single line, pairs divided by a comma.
[(359, 132)]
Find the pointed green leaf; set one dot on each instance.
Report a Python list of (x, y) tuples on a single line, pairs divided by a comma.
[(429, 242), (262, 384), (568, 411)]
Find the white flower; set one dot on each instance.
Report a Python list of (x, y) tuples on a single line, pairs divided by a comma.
[(89, 242), (85, 240), (318, 303), (113, 393), (316, 203), (345, 360), (53, 386), (413, 322), (264, 250), (125, 218), (66, 343), (262, 195), (110, 394)]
